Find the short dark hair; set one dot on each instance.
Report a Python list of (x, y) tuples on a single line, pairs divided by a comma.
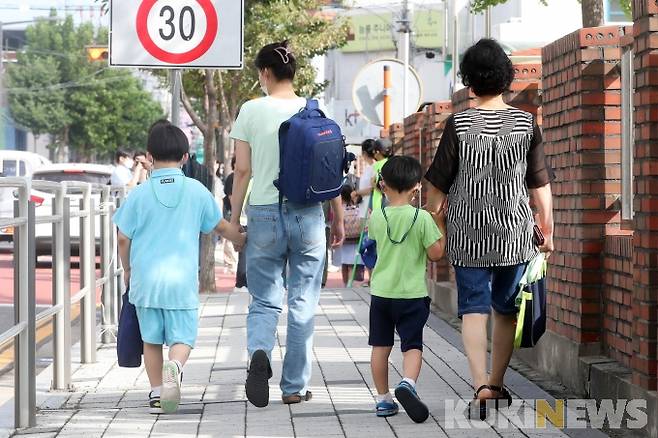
[(486, 69), (402, 173), (167, 142), (384, 147), (368, 147), (279, 59), (139, 153), (120, 153)]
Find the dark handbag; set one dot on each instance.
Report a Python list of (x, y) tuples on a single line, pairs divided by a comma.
[(130, 346)]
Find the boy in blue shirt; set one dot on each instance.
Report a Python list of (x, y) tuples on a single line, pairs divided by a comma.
[(159, 226), (406, 237)]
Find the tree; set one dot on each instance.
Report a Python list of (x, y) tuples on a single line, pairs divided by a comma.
[(53, 89), (112, 110), (213, 98), (592, 9)]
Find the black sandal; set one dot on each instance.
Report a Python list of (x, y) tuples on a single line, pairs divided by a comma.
[(476, 405), (504, 399)]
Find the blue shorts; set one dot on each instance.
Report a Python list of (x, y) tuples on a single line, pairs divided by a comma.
[(407, 316), (165, 326), (480, 289)]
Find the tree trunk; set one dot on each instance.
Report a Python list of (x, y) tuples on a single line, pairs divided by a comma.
[(592, 13), (62, 147), (207, 275)]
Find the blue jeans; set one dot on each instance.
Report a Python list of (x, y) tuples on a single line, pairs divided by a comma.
[(295, 238)]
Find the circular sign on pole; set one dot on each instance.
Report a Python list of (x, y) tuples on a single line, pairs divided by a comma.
[(368, 91), (177, 32)]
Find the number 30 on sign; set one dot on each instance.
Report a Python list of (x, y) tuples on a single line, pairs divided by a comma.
[(177, 33)]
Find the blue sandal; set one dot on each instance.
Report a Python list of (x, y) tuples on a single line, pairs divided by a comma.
[(386, 409)]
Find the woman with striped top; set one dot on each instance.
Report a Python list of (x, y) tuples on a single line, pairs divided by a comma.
[(489, 164)]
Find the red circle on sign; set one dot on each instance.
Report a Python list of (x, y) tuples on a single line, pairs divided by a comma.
[(176, 58)]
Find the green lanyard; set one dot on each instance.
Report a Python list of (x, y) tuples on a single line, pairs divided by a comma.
[(180, 194), (388, 227)]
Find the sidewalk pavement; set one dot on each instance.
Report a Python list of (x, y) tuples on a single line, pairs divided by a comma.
[(108, 401)]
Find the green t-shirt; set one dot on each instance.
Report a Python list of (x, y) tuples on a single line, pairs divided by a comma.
[(258, 124), (401, 269), (376, 193)]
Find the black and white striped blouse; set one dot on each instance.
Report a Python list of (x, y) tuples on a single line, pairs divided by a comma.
[(486, 162)]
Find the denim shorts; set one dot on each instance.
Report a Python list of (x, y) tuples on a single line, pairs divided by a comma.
[(480, 289), (170, 327), (407, 316)]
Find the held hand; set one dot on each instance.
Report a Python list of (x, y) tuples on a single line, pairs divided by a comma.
[(239, 244), (355, 196), (337, 234)]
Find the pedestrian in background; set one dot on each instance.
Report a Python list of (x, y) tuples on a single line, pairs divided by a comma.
[(159, 226), (382, 150), (489, 219), (283, 235), (143, 166), (124, 173), (230, 255), (345, 256)]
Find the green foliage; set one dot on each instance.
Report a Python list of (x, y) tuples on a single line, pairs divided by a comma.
[(53, 89), (268, 21)]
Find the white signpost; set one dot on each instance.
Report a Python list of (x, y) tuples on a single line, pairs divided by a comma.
[(177, 33)]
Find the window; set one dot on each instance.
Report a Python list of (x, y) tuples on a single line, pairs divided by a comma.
[(627, 135), (9, 168)]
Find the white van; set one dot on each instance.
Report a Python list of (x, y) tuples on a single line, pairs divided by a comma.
[(15, 164)]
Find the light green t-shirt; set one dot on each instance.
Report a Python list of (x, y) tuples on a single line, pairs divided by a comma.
[(258, 124), (376, 193), (401, 269)]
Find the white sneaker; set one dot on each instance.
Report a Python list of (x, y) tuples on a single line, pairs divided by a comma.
[(171, 381)]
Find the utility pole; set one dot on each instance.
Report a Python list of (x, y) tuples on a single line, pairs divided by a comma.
[(175, 97), (405, 30)]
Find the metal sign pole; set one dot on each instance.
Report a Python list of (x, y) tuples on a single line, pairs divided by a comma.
[(175, 97)]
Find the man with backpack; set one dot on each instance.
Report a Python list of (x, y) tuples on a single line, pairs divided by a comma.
[(296, 160)]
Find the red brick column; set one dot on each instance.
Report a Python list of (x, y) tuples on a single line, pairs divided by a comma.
[(463, 100), (582, 135), (524, 91), (645, 294)]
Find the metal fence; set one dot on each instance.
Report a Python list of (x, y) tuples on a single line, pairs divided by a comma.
[(96, 204)]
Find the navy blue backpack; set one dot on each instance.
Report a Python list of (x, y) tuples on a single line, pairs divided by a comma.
[(313, 157)]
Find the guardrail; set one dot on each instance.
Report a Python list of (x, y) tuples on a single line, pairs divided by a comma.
[(22, 333)]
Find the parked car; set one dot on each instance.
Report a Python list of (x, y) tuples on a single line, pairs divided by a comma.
[(13, 164), (89, 173)]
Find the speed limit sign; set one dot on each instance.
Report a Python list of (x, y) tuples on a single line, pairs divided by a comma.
[(177, 33)]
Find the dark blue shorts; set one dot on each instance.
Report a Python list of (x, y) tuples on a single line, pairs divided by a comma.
[(480, 289), (407, 316)]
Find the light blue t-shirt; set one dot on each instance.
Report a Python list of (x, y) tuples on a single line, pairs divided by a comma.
[(163, 218)]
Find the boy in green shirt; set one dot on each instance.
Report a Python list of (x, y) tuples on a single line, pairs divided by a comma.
[(406, 237)]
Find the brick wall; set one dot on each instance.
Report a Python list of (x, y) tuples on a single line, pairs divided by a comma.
[(525, 91), (617, 336), (645, 254), (582, 135)]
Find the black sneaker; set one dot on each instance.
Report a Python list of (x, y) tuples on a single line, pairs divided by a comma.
[(257, 387), (154, 404)]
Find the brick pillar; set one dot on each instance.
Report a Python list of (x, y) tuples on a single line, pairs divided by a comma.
[(463, 100), (582, 135), (524, 91), (645, 255), (396, 135)]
